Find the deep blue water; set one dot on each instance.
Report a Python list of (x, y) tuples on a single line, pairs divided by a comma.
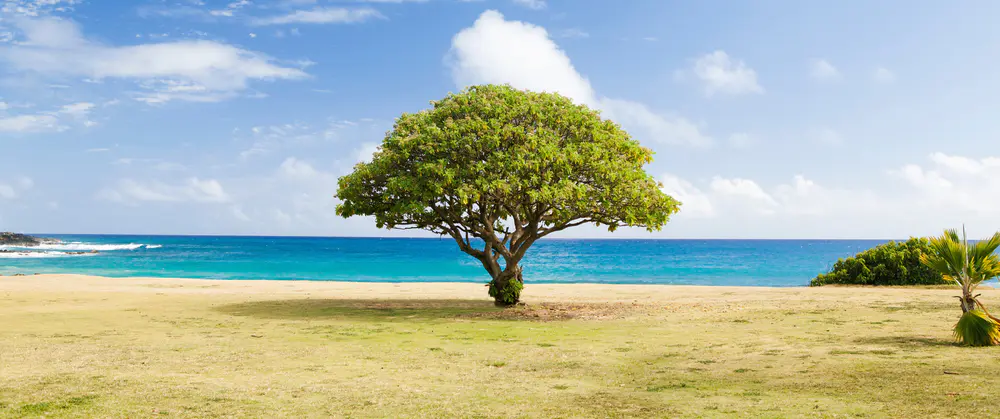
[(706, 262)]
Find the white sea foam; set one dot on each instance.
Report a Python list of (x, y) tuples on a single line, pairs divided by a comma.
[(154, 246), (39, 255), (82, 247)]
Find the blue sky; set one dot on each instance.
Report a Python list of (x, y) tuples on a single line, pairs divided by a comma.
[(769, 119)]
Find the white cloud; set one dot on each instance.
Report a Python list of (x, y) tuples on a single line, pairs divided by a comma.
[(35, 7), (367, 151), (805, 197), (967, 165), (955, 183), (883, 75), (185, 70), (532, 4), (495, 50), (230, 8), (30, 124), (720, 74), (296, 168), (744, 199), (46, 121), (917, 176), (79, 110), (297, 194), (824, 71), (694, 203), (192, 190), (322, 15), (660, 128), (744, 189)]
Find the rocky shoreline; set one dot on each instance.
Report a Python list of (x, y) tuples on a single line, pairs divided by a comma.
[(22, 244), (24, 240)]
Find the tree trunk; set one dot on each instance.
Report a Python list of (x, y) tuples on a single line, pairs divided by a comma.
[(506, 286), (967, 299), (968, 302)]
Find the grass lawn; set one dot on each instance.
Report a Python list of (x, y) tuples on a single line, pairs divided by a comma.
[(94, 347)]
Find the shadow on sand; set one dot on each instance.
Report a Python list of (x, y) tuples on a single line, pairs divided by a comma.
[(380, 310), (904, 342)]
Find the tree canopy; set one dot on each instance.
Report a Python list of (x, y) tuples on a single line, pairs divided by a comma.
[(506, 167)]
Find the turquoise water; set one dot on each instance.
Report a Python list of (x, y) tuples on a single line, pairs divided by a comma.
[(705, 262)]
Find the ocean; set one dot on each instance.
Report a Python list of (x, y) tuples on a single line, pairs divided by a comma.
[(781, 263)]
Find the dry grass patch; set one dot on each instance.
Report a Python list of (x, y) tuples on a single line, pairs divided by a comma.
[(118, 348)]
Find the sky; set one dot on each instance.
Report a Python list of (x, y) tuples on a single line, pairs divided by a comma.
[(769, 119)]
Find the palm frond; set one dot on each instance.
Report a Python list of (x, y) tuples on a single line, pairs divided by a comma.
[(966, 263), (947, 255), (983, 251), (975, 328)]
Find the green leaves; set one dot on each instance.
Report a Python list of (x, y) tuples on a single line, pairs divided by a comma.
[(498, 152), (966, 263), (976, 328), (508, 167), (892, 263)]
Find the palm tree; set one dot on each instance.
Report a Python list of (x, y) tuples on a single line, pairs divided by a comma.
[(968, 265)]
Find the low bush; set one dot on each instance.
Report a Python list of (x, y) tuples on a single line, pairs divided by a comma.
[(893, 263)]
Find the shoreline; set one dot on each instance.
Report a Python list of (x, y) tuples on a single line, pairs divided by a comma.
[(533, 292), (482, 282)]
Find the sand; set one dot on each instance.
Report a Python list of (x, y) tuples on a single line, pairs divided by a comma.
[(533, 293), (84, 346)]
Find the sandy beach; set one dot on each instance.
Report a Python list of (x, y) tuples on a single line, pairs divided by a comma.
[(83, 346), (533, 293)]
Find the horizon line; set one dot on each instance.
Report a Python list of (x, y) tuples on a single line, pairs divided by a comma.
[(445, 237)]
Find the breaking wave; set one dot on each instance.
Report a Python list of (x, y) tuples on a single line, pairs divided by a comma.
[(40, 255), (85, 247)]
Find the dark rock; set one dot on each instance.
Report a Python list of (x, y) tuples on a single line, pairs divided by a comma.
[(23, 240)]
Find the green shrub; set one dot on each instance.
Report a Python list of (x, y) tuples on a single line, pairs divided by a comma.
[(893, 263)]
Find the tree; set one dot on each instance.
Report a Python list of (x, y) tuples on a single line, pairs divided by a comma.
[(893, 263), (497, 169), (968, 265)]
